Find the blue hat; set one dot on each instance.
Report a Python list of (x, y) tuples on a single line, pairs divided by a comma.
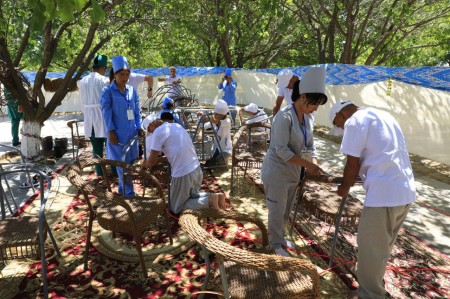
[(228, 72), (119, 62), (167, 101)]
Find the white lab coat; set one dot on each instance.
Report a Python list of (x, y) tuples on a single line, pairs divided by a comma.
[(91, 88)]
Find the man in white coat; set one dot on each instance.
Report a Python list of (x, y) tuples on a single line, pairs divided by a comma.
[(90, 91)]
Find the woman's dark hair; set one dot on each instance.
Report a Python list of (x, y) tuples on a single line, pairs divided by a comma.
[(111, 75), (311, 98)]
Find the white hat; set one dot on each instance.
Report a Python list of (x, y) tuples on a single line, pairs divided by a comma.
[(251, 108), (313, 81), (335, 109), (221, 107), (283, 77), (148, 120)]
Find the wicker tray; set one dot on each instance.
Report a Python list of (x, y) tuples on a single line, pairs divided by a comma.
[(321, 201)]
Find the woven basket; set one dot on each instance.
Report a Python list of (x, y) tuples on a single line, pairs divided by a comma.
[(204, 150), (20, 242)]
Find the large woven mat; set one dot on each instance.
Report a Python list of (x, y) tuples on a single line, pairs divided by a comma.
[(123, 250)]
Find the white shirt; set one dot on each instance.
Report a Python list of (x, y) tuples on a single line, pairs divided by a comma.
[(376, 138), (90, 92), (261, 116), (136, 79), (286, 93), (174, 91), (223, 135), (148, 144), (174, 141)]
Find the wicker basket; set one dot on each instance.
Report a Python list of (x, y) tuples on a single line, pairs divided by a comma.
[(204, 149), (20, 242)]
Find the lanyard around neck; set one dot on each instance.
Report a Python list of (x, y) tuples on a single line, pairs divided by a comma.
[(124, 95), (303, 123)]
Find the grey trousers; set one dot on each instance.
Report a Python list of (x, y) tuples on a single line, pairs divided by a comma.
[(377, 231), (279, 200), (185, 192)]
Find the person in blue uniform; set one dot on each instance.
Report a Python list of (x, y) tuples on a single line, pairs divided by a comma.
[(229, 86), (121, 112), (167, 106)]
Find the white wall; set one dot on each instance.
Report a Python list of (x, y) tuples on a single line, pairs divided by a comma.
[(423, 113)]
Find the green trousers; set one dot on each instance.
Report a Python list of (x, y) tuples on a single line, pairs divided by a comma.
[(98, 145), (15, 117)]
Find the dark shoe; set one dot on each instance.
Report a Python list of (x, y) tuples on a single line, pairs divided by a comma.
[(17, 143), (215, 162), (47, 170), (27, 184)]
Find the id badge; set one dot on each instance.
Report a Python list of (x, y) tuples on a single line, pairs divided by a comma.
[(130, 114)]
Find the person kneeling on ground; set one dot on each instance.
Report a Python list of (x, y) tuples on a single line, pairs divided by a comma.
[(187, 176), (222, 125)]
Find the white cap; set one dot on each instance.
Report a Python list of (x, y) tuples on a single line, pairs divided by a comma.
[(283, 77), (313, 81), (148, 120), (221, 107), (336, 108), (251, 108)]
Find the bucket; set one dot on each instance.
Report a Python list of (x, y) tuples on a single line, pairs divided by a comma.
[(60, 146), (47, 143)]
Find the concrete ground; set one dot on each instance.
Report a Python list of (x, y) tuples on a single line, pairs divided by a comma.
[(428, 218)]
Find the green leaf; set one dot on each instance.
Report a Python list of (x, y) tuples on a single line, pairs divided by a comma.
[(96, 13), (38, 18)]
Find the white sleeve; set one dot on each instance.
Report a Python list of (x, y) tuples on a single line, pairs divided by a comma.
[(354, 140), (158, 138), (136, 79)]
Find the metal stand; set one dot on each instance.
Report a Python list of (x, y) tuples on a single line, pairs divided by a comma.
[(216, 139), (336, 230)]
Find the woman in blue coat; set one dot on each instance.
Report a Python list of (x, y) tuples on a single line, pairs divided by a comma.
[(121, 112)]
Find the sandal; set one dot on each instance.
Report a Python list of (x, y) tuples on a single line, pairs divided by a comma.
[(47, 170), (26, 185)]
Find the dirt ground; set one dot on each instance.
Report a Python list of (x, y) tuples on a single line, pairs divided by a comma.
[(424, 166)]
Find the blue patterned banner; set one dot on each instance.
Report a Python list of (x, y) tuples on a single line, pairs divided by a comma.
[(337, 74)]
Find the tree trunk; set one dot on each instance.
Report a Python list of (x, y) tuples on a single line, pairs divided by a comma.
[(31, 140)]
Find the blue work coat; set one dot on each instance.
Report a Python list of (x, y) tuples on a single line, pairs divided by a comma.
[(114, 109)]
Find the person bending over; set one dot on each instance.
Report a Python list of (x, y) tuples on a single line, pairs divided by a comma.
[(176, 144)]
